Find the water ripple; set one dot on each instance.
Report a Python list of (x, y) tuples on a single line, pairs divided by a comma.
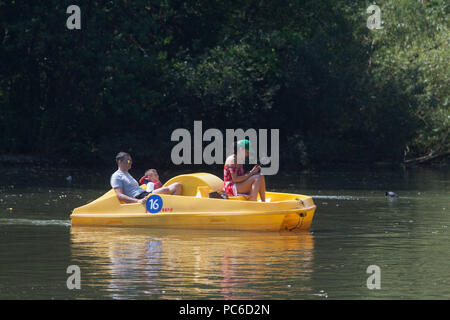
[(36, 222)]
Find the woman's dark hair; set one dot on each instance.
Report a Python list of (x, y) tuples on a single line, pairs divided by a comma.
[(121, 155)]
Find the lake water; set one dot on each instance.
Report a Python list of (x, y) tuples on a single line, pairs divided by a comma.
[(355, 227)]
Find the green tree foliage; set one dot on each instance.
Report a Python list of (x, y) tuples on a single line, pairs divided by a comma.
[(411, 55), (137, 70)]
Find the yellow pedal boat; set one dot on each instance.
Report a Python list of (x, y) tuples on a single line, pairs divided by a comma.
[(195, 210)]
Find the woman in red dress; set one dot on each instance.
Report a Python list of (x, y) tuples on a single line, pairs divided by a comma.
[(236, 181)]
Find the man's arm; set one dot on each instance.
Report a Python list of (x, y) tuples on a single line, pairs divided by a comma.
[(127, 199)]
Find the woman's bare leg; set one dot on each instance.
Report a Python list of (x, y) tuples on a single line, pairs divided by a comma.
[(255, 188), (251, 186), (246, 187), (262, 189)]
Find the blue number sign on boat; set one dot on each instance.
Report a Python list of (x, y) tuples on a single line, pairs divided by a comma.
[(154, 203)]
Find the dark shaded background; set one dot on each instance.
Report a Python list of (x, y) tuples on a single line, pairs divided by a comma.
[(340, 94)]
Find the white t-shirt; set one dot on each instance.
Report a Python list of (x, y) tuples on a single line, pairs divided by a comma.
[(124, 180), (150, 187)]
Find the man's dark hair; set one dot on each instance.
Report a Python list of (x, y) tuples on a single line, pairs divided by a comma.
[(121, 155)]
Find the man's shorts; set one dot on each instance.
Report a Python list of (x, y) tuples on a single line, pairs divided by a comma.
[(143, 195)]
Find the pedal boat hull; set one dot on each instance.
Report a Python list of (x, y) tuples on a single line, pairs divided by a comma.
[(281, 212)]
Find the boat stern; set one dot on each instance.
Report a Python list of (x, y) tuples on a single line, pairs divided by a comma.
[(301, 219)]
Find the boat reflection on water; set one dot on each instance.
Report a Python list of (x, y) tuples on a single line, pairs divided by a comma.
[(137, 263)]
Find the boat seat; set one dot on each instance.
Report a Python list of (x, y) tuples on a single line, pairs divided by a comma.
[(203, 192), (191, 182)]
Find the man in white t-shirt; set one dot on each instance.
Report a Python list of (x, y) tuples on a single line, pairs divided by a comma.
[(127, 188)]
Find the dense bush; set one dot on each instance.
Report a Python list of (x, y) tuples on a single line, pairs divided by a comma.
[(137, 70)]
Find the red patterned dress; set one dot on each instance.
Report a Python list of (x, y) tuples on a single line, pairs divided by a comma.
[(229, 186), (145, 180)]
